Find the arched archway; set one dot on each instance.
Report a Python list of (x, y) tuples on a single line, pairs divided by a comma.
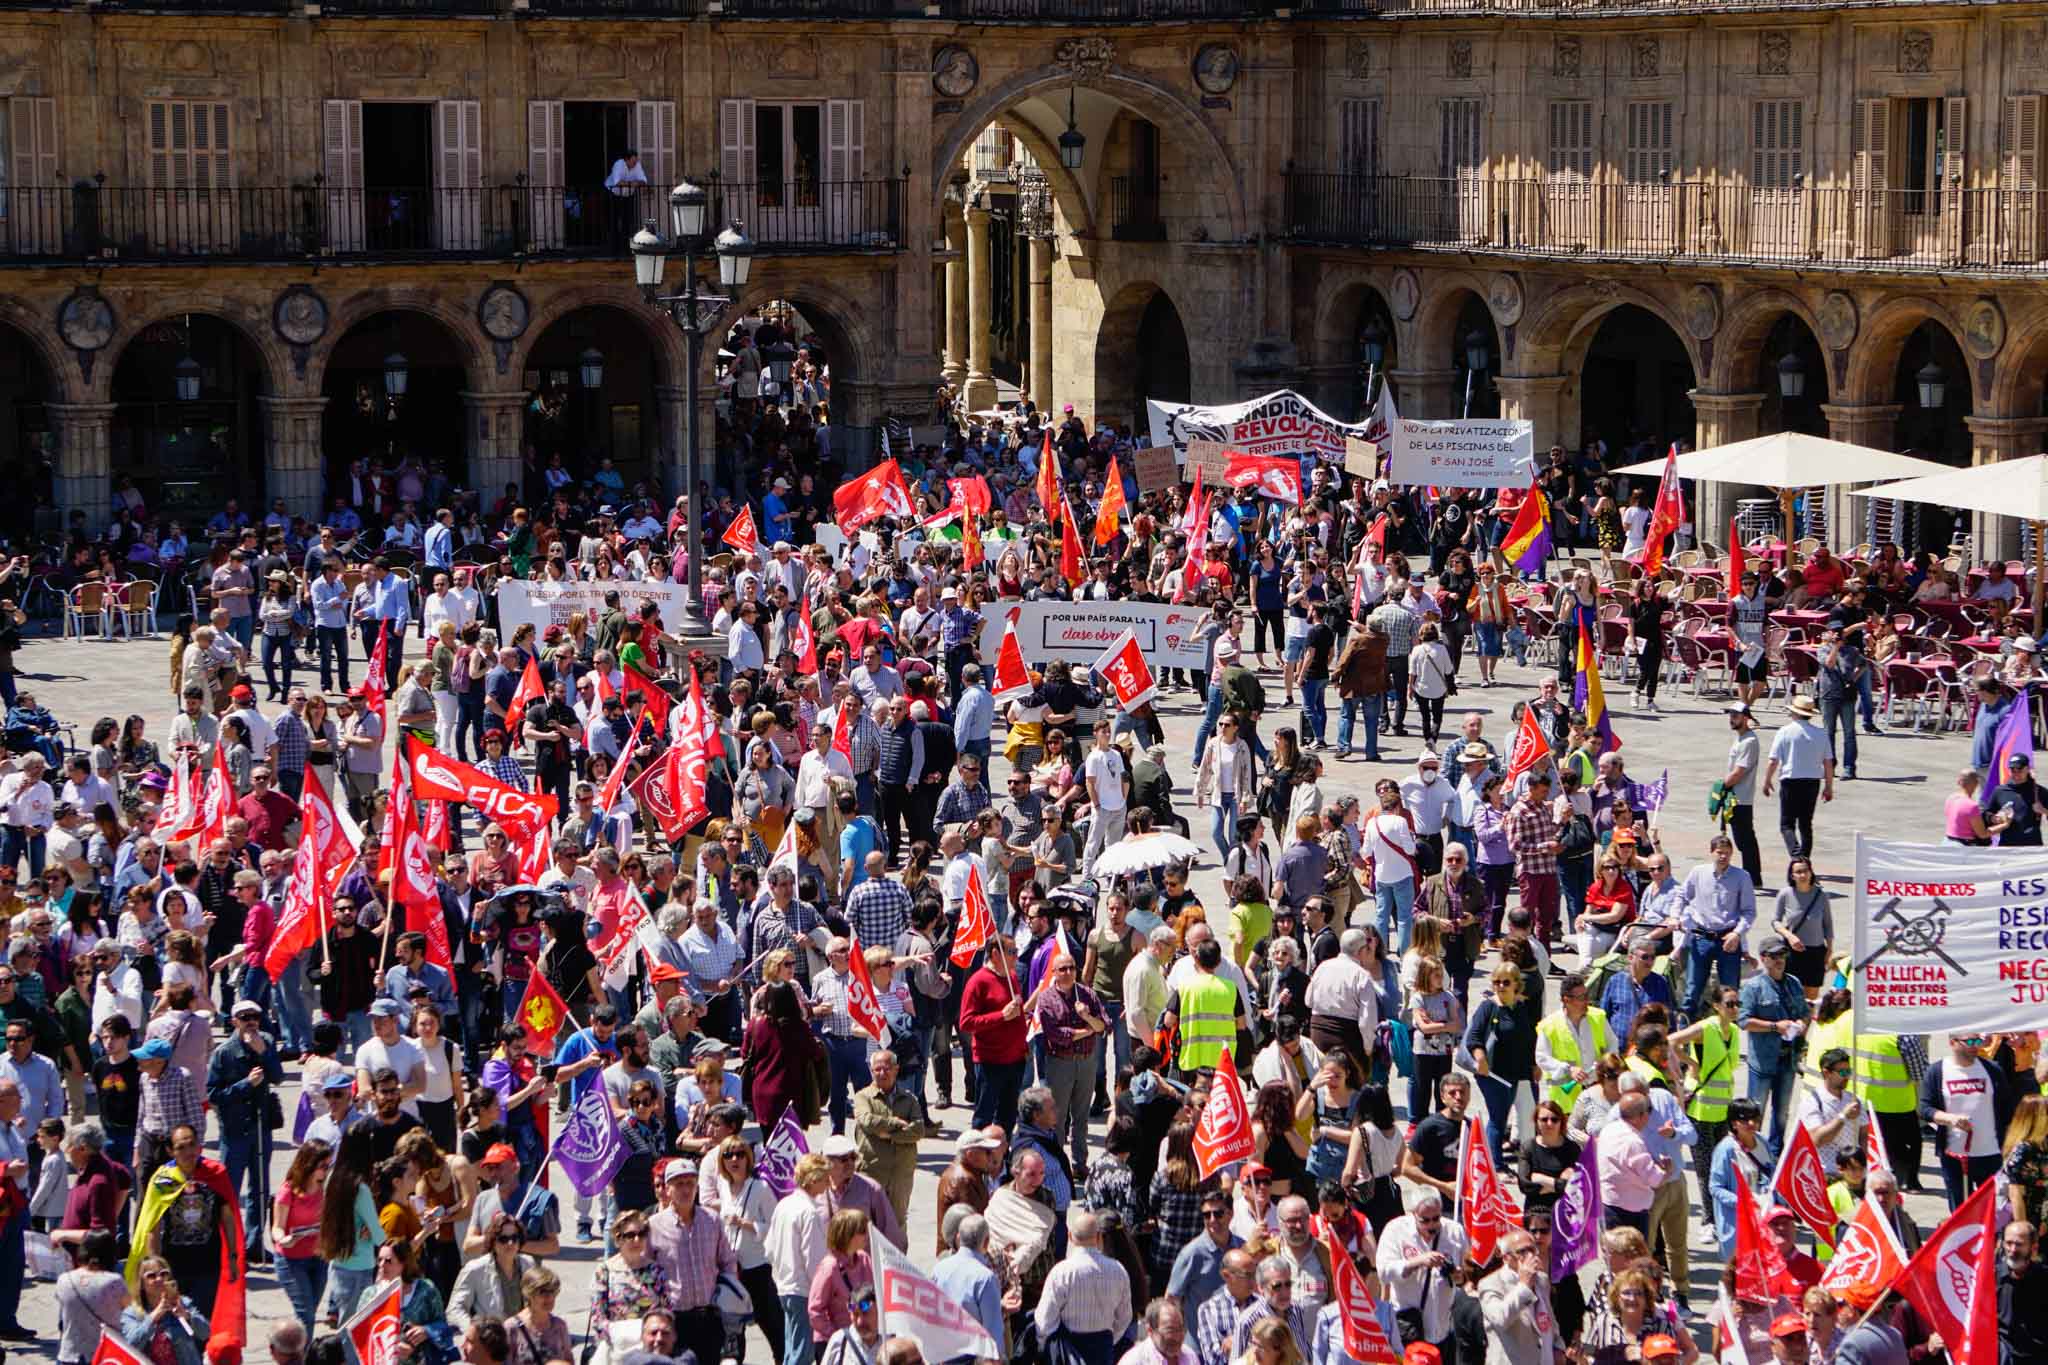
[(1635, 378), (608, 429), (188, 426), (27, 435), (1357, 343), (1475, 359), (394, 383), (1141, 353)]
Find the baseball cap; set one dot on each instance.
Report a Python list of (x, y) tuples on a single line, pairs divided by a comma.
[(1738, 708), (243, 692), (243, 1007), (338, 1080), (1659, 1345), (1778, 1213), (384, 1008), (1421, 1353), (155, 1050), (664, 971), (500, 1153), (1788, 1325), (672, 1168), (974, 1140), (710, 1047), (1772, 947), (840, 1145)]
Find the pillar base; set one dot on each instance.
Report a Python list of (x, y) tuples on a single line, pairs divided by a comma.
[(978, 392), (1539, 400)]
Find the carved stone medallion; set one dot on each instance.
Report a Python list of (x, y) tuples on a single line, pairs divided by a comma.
[(1774, 53), (1983, 329), (1701, 309), (1215, 68), (1568, 58), (1458, 61), (1504, 298), (955, 73), (503, 313), (1648, 56), (1838, 321), (1916, 50), (299, 315), (1087, 56), (85, 320), (1404, 295)]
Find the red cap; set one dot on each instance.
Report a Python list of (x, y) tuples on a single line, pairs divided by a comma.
[(499, 1152), (1255, 1168), (1421, 1353), (664, 971), (1659, 1345), (1779, 1212), (1788, 1325)]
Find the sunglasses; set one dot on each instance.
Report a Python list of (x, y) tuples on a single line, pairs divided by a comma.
[(633, 1236)]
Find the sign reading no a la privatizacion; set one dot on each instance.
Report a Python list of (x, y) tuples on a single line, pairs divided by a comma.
[(1079, 631), (1467, 453), (1950, 939)]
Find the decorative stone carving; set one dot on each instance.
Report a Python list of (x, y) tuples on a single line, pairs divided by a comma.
[(558, 59), (85, 320), (599, 60), (188, 57), (404, 59), (1215, 68), (300, 315), (1700, 307), (2033, 44), (1088, 56), (1357, 58), (1568, 58), (503, 313), (1983, 329), (955, 73), (1459, 60), (1838, 321), (1504, 298), (1774, 53), (1916, 50), (1404, 294), (788, 59), (1646, 56)]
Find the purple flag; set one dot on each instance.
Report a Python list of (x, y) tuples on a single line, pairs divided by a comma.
[(303, 1119), (589, 1150), (1648, 797), (779, 1153), (2014, 736), (1575, 1218)]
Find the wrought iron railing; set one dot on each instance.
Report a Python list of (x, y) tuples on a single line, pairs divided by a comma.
[(1071, 11)]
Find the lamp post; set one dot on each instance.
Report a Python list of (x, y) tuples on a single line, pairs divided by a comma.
[(1372, 339), (1477, 356), (696, 314), (1073, 145), (186, 375)]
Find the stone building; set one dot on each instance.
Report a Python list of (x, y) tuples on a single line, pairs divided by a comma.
[(242, 248)]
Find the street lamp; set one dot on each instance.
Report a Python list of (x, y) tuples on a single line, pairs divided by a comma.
[(187, 375), (1933, 385), (1477, 355), (1372, 339), (395, 375), (696, 314), (592, 366), (1791, 376), (1072, 144)]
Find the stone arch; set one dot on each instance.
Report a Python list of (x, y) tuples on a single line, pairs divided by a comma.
[(1341, 297), (1426, 340), (1560, 328), (253, 329), (1164, 106), (662, 335), (40, 334), (1739, 363), (2022, 368), (1872, 370), (1119, 362), (853, 343), (457, 317)]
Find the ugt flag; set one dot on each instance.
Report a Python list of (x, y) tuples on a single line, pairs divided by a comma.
[(780, 1151)]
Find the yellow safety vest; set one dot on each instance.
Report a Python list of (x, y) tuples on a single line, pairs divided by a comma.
[(1718, 1055), (1564, 1047), (1653, 1076), (1881, 1080), (1838, 1032), (1844, 1204), (1208, 1021)]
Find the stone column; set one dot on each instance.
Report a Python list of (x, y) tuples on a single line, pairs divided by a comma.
[(294, 454), (1535, 398), (1993, 439), (956, 295), (83, 462), (672, 404), (1041, 323), (1864, 424), (981, 385), (1426, 393), (1722, 419), (494, 430)]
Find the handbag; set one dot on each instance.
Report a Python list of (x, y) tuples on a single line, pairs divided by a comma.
[(1575, 839), (1401, 1043)]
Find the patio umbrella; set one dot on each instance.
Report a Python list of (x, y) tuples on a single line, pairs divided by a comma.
[(2004, 488), (1787, 461), (1144, 852)]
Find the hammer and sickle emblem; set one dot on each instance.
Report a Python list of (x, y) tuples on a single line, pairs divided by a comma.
[(1914, 935)]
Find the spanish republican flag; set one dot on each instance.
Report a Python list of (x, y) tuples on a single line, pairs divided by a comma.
[(229, 1325), (1587, 694), (1527, 545)]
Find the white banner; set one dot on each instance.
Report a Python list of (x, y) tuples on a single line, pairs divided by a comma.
[(1950, 939), (541, 605), (1279, 423), (1079, 631), (1472, 452)]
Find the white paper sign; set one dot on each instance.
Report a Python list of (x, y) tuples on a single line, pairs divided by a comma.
[(1465, 453), (1079, 631), (540, 605)]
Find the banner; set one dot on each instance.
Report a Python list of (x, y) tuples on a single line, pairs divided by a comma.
[(1870, 1254), (779, 1151), (373, 1333), (977, 920), (1576, 1217), (1364, 1338), (1361, 458), (910, 1304), (436, 776), (1224, 1132), (1485, 1207), (1122, 666), (1207, 461), (1952, 1280), (1950, 935), (589, 1150), (1801, 1183), (1277, 477), (1278, 423), (1156, 470), (1471, 452), (1079, 631), (540, 605), (862, 1005)]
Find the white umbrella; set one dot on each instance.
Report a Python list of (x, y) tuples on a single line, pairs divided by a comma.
[(2003, 488), (1144, 852)]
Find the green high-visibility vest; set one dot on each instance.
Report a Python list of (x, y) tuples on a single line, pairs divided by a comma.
[(1821, 1039), (1881, 1080), (1564, 1047), (1720, 1050), (1208, 1021)]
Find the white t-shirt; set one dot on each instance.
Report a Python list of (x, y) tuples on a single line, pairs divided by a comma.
[(1226, 768), (1817, 1109), (1391, 845), (1636, 521), (1967, 1091), (402, 1057), (440, 1079), (1106, 766)]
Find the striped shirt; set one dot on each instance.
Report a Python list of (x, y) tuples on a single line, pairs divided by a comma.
[(880, 910), (693, 1256), (1215, 1322), (1086, 1292), (709, 958), (1256, 1312), (832, 988)]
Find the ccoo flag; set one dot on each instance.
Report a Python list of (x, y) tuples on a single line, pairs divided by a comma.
[(1527, 545), (1587, 694)]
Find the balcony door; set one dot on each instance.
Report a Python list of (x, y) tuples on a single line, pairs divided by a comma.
[(571, 147), (1461, 164), (1648, 198), (1778, 226), (791, 171), (403, 175), (1571, 205), (31, 201), (1908, 197), (191, 177)]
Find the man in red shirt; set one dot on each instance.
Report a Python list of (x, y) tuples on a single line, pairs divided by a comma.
[(1783, 1225), (269, 811), (992, 1019), (1824, 575)]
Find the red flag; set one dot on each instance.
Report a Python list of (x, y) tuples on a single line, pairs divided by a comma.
[(375, 1330), (396, 784), (1760, 1273), (973, 492), (655, 791), (1736, 565), (529, 689), (435, 775), (1129, 676), (658, 701), (1274, 476), (861, 1002), (842, 728), (694, 767), (534, 852), (615, 782), (977, 920), (1108, 514), (1485, 1207), (114, 1351), (972, 554), (1875, 1157), (1193, 518), (1012, 678), (1048, 482), (178, 817), (1365, 1341), (1952, 1281), (542, 1013), (1224, 1132), (1869, 1253), (1531, 745), (435, 824), (741, 535), (413, 883), (1070, 549), (1667, 514), (219, 802), (806, 642), (322, 853), (1801, 1184), (373, 681), (1196, 526), (878, 493)]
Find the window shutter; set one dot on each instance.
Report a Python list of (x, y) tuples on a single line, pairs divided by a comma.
[(1571, 139), (544, 173), (458, 172), (736, 141), (342, 165), (1777, 143), (1649, 154), (1458, 144), (654, 131), (1359, 136), (2019, 176), (34, 122), (1870, 135)]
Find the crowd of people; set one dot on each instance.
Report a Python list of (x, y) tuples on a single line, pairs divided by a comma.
[(1371, 966)]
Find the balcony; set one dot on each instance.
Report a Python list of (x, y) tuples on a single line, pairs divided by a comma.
[(1977, 231), (108, 225), (1552, 8), (613, 9), (422, 8), (1134, 211), (808, 9), (1105, 11)]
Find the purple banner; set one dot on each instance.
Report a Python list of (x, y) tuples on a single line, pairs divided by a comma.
[(589, 1150), (779, 1152), (1575, 1218)]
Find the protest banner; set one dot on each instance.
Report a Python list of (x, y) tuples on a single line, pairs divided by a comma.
[(1211, 458), (1949, 935), (1156, 468), (1079, 631), (1463, 453), (1361, 457), (540, 605), (1278, 423)]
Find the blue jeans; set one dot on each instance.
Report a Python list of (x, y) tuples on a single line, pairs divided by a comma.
[(469, 725), (333, 641), (1574, 875), (15, 841), (304, 1280), (1109, 1059), (1397, 911), (247, 1156), (1866, 702), (1315, 717), (1212, 711), (796, 1332), (243, 628), (275, 648), (847, 1059), (1223, 823), (997, 1085), (1369, 709), (1500, 1107), (1775, 1092), (294, 1018), (1703, 953), (1842, 713), (346, 1287), (357, 1027), (864, 792)]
